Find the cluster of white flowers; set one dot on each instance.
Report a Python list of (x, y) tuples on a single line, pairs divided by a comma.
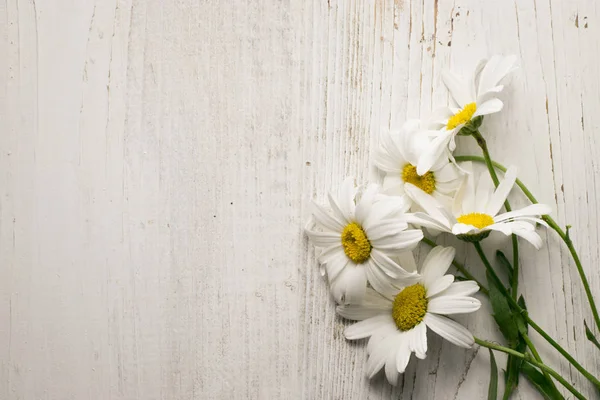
[(367, 236)]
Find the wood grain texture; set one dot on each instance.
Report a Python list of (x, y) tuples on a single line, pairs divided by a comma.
[(157, 159)]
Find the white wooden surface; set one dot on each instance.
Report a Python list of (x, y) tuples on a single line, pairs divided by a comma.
[(157, 159)]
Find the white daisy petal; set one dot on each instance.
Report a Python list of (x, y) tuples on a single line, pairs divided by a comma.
[(502, 191), (346, 200), (324, 239), (468, 200), (380, 281), (325, 219), (426, 202), (461, 229), (458, 90), (384, 209), (439, 117), (392, 148), (435, 150), (490, 106), (337, 211), (383, 230), (531, 237), (389, 328), (531, 210), (463, 288), (366, 201), (405, 240), (350, 285), (333, 260), (450, 330), (374, 298), (331, 253), (386, 163), (403, 352), (424, 220), (363, 312), (391, 372), (494, 71), (366, 328), (449, 305), (389, 266), (393, 182), (439, 285), (436, 263), (447, 173), (335, 266), (502, 227), (418, 342), (482, 193), (378, 356)]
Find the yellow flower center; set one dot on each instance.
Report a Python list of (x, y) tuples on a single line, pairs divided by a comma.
[(410, 307), (478, 220), (462, 117), (355, 242), (424, 182)]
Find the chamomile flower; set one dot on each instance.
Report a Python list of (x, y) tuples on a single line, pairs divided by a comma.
[(476, 210), (398, 157), (397, 320), (360, 239), (473, 99)]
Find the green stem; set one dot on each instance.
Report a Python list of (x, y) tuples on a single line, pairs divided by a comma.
[(536, 355), (461, 268), (515, 244), (531, 323), (535, 363), (559, 348), (500, 286), (564, 236)]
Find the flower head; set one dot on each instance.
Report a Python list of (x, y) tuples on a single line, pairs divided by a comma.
[(360, 241), (397, 320), (476, 210), (473, 99), (398, 157)]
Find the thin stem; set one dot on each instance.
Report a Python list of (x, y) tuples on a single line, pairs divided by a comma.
[(550, 221), (513, 302), (535, 363), (515, 244), (560, 349), (536, 355), (489, 268), (531, 323), (515, 275), (461, 268), (586, 286)]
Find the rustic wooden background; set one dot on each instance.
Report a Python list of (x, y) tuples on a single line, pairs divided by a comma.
[(157, 159)]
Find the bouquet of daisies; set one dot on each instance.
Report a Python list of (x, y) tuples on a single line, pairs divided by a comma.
[(366, 235)]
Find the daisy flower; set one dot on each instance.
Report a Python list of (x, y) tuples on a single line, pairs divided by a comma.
[(359, 240), (397, 320), (475, 210), (398, 157), (473, 99)]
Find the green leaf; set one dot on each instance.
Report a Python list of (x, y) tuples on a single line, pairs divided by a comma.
[(519, 319), (510, 323), (538, 380), (502, 260), (493, 389), (503, 314), (512, 370), (590, 335)]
